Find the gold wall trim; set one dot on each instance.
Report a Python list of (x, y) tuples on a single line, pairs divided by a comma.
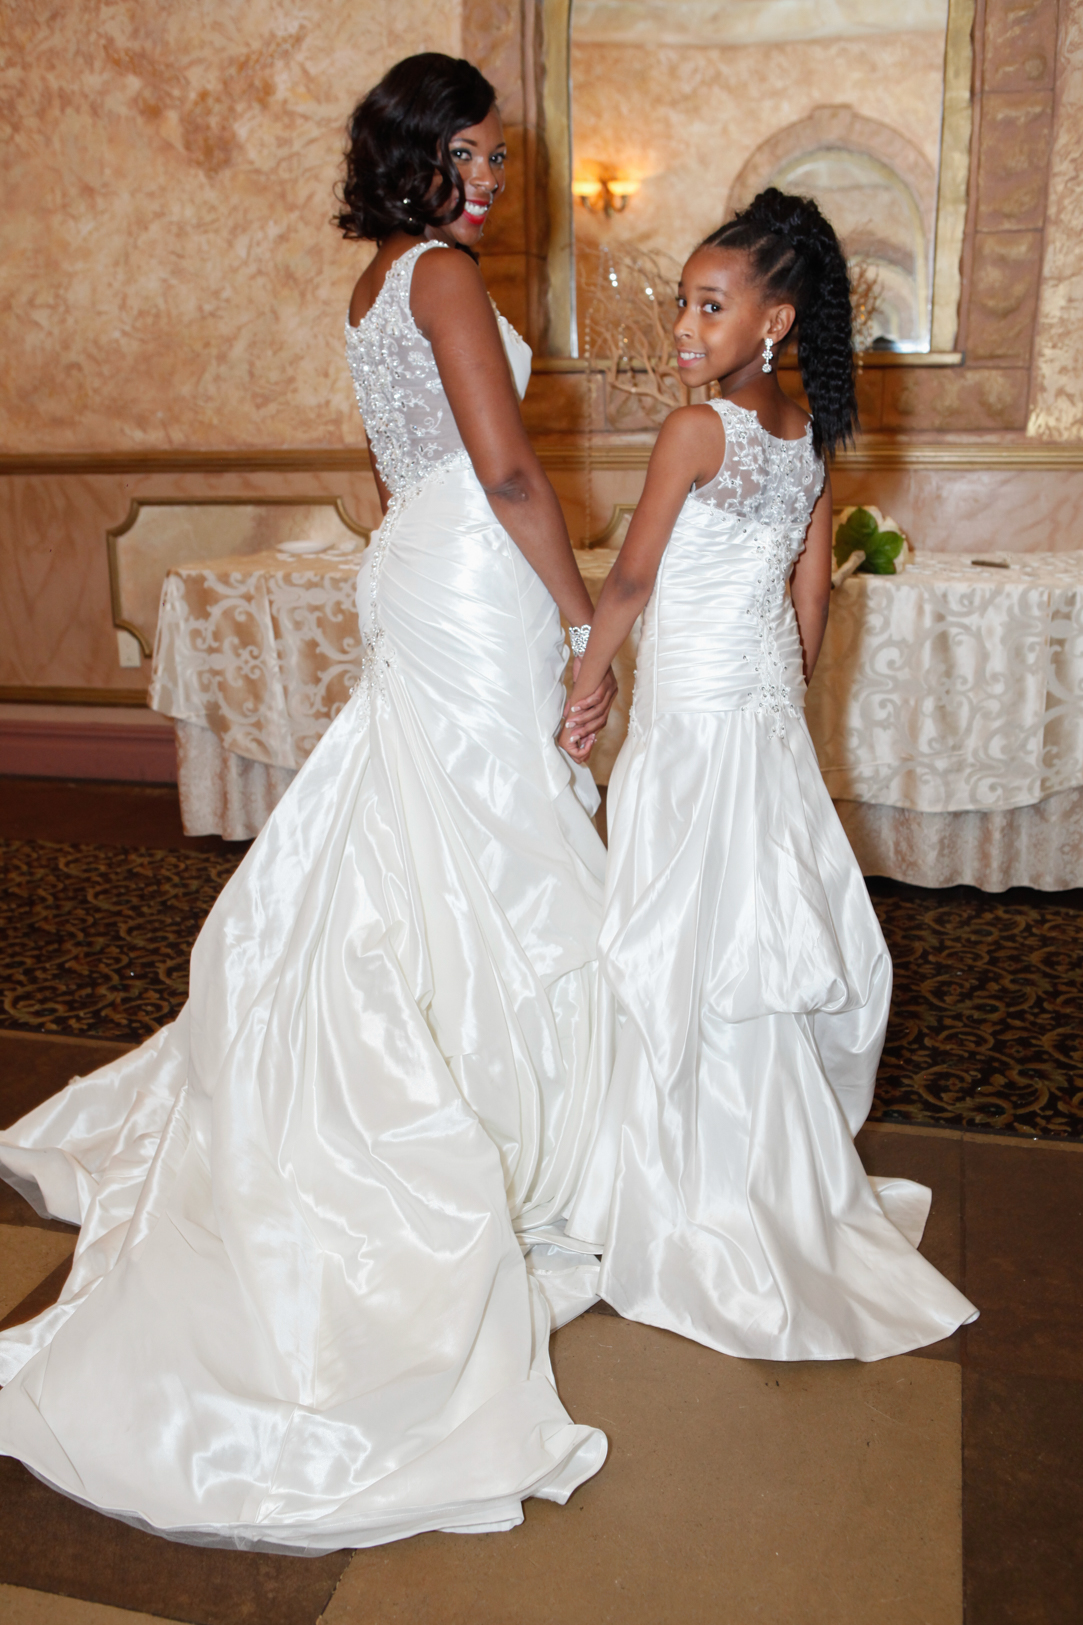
[(954, 178), (330, 459), (563, 327), (967, 456), (788, 363), (885, 452), (869, 454), (132, 698)]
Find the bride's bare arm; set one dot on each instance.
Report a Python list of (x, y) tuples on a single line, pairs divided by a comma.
[(452, 309)]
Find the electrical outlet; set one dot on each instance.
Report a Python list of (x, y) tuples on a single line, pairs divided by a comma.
[(128, 650)]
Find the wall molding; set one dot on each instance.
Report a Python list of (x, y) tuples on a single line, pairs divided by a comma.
[(611, 452), (327, 459), (136, 751), (134, 698), (600, 450)]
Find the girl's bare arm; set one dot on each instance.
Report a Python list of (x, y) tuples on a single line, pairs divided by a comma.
[(689, 450), (810, 584)]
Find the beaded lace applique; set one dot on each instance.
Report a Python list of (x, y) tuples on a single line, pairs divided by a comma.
[(775, 484), (407, 418), (409, 424)]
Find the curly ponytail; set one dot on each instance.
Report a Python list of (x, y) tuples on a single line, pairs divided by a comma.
[(797, 259)]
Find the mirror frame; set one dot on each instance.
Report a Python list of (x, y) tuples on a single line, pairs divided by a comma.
[(953, 183)]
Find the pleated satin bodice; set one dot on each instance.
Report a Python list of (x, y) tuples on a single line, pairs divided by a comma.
[(719, 632)]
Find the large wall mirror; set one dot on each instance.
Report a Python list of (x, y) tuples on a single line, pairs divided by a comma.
[(681, 110)]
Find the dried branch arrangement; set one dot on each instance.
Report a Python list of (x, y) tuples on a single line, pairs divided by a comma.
[(865, 296), (629, 299)]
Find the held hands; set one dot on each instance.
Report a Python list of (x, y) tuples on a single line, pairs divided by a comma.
[(584, 720)]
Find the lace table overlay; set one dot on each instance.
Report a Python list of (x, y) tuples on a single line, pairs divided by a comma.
[(262, 651), (954, 688), (256, 655)]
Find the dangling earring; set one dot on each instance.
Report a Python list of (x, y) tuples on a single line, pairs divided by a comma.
[(767, 348)]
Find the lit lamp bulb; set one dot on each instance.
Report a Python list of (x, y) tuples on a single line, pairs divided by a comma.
[(586, 190), (621, 191), (605, 194)]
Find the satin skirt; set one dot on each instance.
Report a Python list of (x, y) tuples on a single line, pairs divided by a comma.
[(753, 985), (321, 1247)]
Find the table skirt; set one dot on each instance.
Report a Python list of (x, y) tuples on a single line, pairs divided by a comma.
[(1039, 846), (224, 794)]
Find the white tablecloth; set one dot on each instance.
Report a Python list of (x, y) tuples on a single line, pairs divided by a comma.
[(954, 688), (947, 708), (262, 650)]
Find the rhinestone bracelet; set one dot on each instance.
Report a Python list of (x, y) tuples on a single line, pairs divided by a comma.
[(578, 636)]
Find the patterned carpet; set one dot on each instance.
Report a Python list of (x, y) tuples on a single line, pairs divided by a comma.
[(94, 940), (986, 1027)]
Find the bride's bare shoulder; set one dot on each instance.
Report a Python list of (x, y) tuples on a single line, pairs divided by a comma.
[(447, 286)]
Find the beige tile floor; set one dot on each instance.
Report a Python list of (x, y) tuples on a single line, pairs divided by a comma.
[(21, 1607), (27, 1256), (735, 1492)]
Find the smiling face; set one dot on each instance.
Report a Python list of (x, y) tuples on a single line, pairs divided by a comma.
[(478, 153), (722, 319)]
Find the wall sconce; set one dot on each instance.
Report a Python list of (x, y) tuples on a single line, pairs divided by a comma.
[(607, 194)]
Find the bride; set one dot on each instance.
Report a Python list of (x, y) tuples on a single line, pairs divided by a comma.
[(321, 1214)]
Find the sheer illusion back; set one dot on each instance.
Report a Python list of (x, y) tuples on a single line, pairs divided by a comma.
[(764, 478), (409, 422)]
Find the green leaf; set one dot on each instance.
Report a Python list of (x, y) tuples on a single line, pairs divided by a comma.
[(881, 547), (857, 532), (881, 553)]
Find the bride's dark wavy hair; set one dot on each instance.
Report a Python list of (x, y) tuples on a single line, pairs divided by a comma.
[(398, 140), (797, 260)]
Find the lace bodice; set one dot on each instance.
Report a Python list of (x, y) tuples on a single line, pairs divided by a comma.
[(720, 633), (406, 414), (775, 482)]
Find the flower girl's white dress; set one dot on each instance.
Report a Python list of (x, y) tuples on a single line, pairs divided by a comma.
[(749, 969), (300, 1314)]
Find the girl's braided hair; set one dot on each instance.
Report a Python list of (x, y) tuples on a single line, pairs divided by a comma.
[(797, 260), (399, 141)]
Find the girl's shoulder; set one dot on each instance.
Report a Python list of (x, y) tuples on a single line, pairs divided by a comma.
[(692, 442)]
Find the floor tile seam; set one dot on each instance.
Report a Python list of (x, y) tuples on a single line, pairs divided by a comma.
[(938, 1359), (59, 1038), (971, 1137)]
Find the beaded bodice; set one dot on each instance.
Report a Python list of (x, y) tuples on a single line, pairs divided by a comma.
[(407, 418), (719, 633)]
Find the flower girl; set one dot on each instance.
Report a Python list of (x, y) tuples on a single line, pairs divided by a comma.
[(723, 1186)]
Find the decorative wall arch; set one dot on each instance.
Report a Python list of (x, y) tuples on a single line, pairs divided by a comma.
[(841, 127)]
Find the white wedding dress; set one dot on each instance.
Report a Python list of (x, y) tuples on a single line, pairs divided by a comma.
[(749, 969), (321, 1212)]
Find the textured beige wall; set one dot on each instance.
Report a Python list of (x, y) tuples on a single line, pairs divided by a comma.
[(168, 273), (685, 119), (1057, 390)]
